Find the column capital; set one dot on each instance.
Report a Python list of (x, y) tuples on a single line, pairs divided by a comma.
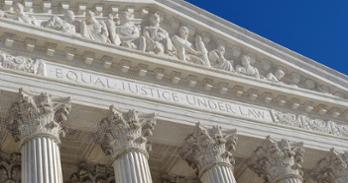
[(86, 173), (120, 132), (37, 115), (332, 169), (206, 148), (278, 160)]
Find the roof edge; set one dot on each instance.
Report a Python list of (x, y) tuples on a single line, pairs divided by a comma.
[(257, 40)]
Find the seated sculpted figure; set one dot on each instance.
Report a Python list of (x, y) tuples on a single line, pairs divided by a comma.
[(129, 32), (218, 60), (22, 16), (157, 39), (246, 67), (66, 25), (277, 76), (185, 51), (93, 29)]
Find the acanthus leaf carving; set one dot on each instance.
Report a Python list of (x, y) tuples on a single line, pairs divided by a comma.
[(178, 179), (10, 167), (332, 169), (92, 174), (205, 148), (121, 132), (37, 115), (276, 161)]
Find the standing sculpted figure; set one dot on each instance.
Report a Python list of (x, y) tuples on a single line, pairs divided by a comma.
[(246, 67), (129, 32), (157, 39), (111, 25), (66, 25), (93, 29), (22, 16), (185, 51), (218, 60)]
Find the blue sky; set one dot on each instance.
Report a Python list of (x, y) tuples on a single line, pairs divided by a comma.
[(317, 29)]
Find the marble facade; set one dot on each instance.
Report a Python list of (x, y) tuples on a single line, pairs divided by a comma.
[(159, 91)]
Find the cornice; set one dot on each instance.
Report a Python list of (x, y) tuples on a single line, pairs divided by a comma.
[(167, 71), (256, 40)]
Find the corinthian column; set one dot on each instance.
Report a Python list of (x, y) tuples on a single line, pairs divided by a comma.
[(332, 169), (123, 136), (278, 162), (209, 152), (36, 121)]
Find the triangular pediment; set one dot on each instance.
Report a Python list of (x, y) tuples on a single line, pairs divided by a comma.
[(171, 34)]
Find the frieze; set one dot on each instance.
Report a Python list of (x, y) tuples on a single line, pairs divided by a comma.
[(186, 99), (148, 31)]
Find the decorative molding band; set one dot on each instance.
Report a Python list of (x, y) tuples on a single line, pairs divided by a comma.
[(182, 98)]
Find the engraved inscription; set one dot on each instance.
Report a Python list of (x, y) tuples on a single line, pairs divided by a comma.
[(156, 93)]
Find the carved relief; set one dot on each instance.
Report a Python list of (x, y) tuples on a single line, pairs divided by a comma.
[(218, 60), (332, 169), (278, 161), (307, 123), (120, 132), (156, 38), (121, 28), (247, 68), (10, 168), (22, 16), (129, 32), (93, 29), (35, 115), (92, 174), (20, 63), (67, 24), (205, 148)]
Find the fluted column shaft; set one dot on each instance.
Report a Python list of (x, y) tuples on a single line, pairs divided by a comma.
[(218, 174), (41, 161), (132, 167)]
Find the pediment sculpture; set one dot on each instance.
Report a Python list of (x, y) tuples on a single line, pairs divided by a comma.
[(152, 33)]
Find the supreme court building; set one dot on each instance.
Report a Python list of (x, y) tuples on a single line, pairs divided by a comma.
[(160, 91)]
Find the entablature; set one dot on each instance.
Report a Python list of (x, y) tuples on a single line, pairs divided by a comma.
[(169, 72)]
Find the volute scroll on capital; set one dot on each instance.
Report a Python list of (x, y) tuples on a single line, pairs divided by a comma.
[(150, 32), (35, 115), (121, 132), (275, 161), (207, 148)]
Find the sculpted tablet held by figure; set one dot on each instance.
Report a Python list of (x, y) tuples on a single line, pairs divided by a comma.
[(157, 39), (184, 50), (129, 32)]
